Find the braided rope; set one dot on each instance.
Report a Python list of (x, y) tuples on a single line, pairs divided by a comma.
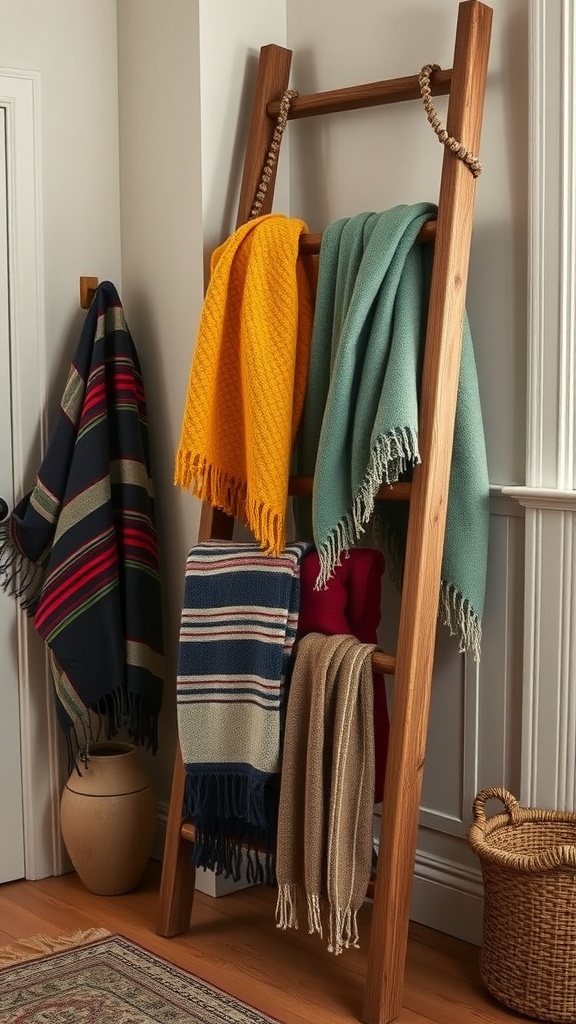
[(272, 155), (456, 147)]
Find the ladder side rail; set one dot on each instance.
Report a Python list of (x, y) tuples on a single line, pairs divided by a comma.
[(421, 587), (272, 81), (178, 878), (178, 871)]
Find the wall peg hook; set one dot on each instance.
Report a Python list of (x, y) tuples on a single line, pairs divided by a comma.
[(88, 286)]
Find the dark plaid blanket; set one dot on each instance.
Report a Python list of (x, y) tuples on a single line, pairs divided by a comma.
[(80, 549)]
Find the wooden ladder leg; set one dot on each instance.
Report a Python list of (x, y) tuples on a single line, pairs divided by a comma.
[(421, 587), (178, 871)]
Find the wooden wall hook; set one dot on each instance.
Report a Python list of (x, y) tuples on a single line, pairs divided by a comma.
[(88, 286)]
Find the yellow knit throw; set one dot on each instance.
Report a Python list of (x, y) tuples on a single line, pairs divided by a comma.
[(248, 377)]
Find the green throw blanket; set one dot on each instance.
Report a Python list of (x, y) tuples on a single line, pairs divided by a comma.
[(360, 422)]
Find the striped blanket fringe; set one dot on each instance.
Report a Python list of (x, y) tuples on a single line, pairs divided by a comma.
[(19, 577), (238, 626)]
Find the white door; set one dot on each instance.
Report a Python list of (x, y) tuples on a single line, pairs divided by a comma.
[(11, 815)]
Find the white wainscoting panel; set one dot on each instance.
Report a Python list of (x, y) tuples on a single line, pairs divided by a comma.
[(474, 736)]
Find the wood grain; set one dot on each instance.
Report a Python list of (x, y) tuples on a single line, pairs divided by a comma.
[(272, 81), (427, 517), (355, 97), (309, 244), (234, 944)]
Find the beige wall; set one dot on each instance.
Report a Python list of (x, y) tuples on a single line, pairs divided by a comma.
[(231, 35), (161, 203), (72, 44), (186, 70), (373, 159)]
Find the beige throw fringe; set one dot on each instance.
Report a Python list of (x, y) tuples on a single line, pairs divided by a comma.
[(324, 849), (37, 946)]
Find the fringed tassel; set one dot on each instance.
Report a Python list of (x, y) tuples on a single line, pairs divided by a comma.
[(343, 930), (42, 945), (287, 906), (193, 472), (142, 722), (225, 796), (314, 915), (461, 619), (212, 485), (19, 577), (342, 538), (268, 527), (390, 457)]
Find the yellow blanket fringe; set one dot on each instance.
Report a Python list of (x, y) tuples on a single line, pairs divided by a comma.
[(248, 376)]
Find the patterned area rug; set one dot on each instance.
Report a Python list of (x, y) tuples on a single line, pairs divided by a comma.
[(109, 980)]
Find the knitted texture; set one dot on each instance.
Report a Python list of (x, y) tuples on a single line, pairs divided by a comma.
[(326, 797), (360, 422), (238, 626), (350, 603), (248, 377), (80, 549)]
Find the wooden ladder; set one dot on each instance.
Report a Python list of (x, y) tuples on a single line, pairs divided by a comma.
[(412, 665)]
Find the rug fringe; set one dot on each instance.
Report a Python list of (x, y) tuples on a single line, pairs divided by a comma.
[(40, 945)]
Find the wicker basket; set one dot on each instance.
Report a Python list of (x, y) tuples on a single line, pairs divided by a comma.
[(528, 859)]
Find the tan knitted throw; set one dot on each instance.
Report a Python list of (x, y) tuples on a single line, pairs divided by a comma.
[(324, 848)]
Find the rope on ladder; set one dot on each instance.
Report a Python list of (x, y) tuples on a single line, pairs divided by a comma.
[(272, 156), (452, 144)]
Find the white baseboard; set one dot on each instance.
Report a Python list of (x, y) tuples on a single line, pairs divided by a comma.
[(446, 895), (450, 893)]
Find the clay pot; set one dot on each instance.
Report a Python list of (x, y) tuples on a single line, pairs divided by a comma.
[(108, 818)]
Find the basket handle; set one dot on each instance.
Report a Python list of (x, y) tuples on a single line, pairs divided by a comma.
[(493, 792)]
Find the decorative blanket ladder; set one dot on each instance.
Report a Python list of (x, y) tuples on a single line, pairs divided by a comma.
[(427, 494)]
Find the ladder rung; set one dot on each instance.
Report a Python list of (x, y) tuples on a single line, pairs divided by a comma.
[(188, 831), (382, 662), (310, 244), (301, 487), (373, 94)]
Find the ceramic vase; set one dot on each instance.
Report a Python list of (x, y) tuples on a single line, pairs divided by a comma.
[(108, 818)]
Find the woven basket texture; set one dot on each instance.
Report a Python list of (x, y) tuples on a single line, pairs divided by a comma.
[(528, 861)]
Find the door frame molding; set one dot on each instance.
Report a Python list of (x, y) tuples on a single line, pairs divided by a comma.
[(549, 707), (40, 750)]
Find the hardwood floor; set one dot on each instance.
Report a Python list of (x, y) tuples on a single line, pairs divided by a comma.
[(233, 943)]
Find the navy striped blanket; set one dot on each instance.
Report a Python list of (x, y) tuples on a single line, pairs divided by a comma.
[(239, 621), (80, 549)]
